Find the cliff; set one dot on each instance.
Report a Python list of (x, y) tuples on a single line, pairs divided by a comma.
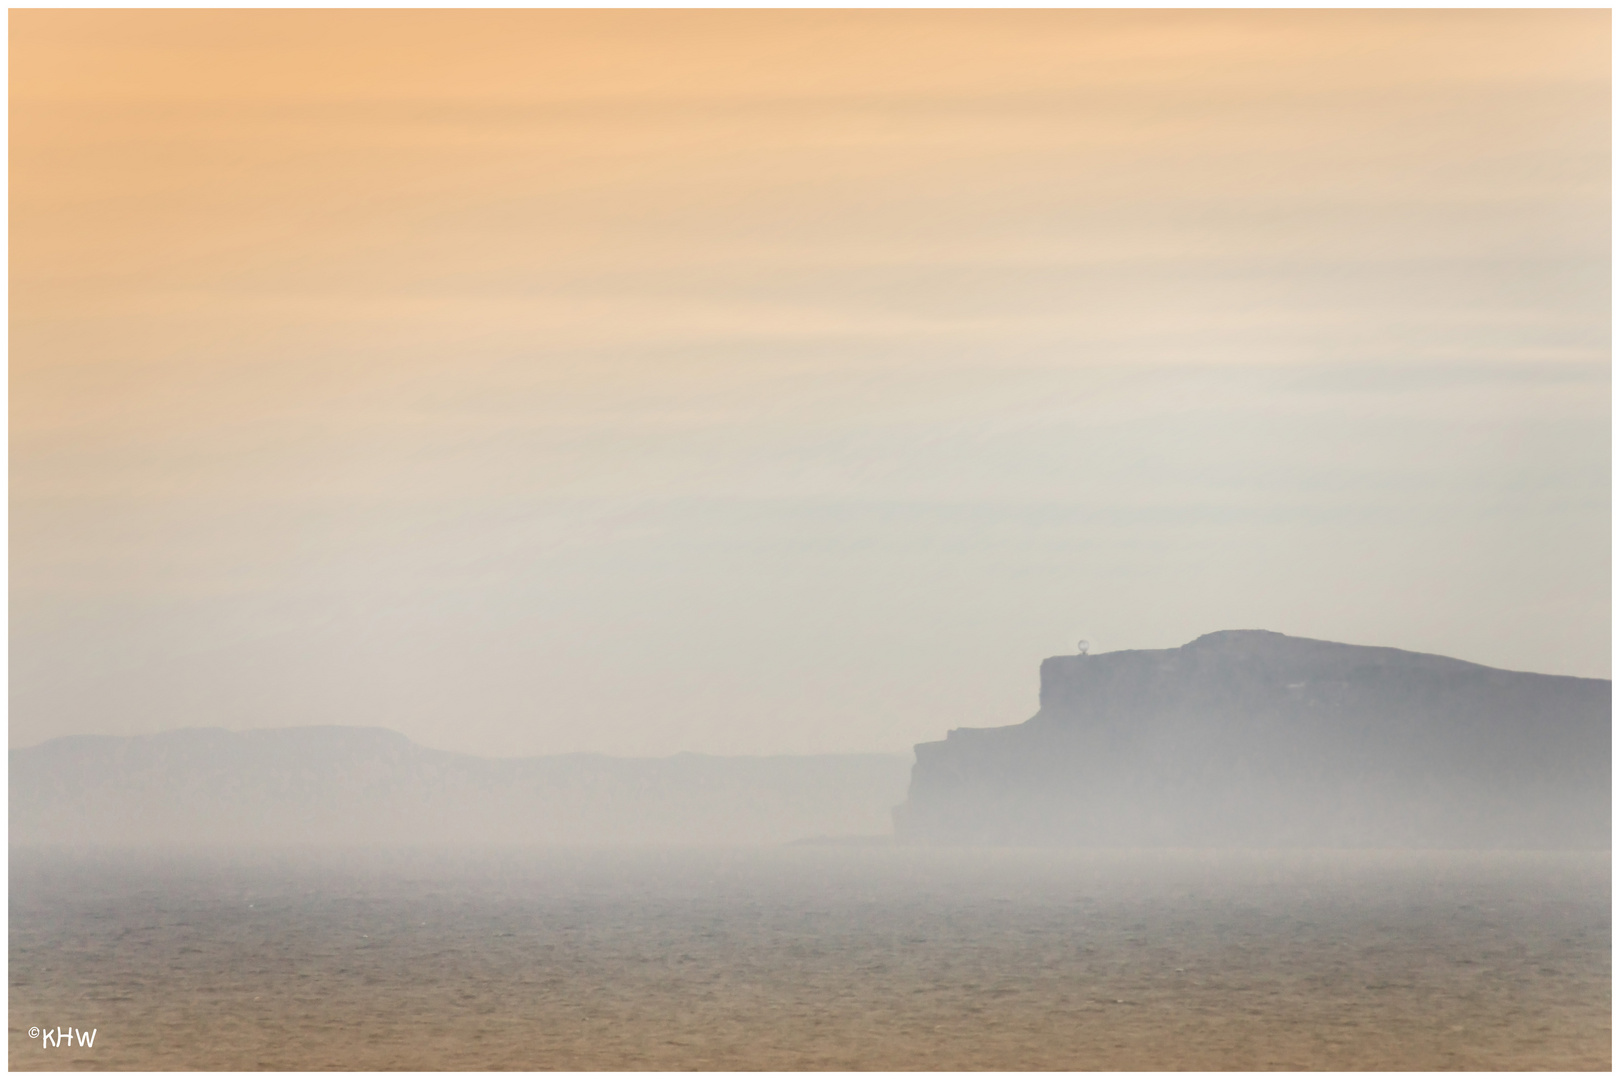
[(1252, 738), (347, 785)]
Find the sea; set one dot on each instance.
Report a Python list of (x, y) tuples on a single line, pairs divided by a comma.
[(816, 956)]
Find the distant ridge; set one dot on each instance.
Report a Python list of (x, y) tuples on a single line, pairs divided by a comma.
[(1254, 738), (343, 785)]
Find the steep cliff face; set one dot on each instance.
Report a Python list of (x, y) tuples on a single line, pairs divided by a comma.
[(1252, 738)]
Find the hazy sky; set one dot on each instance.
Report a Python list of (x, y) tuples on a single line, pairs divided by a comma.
[(754, 382)]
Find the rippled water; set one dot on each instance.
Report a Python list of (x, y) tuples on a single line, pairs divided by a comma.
[(811, 958)]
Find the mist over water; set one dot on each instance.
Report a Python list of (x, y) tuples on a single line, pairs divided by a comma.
[(811, 957), (452, 452)]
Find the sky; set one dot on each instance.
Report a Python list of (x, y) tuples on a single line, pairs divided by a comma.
[(751, 382)]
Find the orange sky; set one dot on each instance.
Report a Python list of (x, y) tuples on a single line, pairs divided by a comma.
[(344, 323)]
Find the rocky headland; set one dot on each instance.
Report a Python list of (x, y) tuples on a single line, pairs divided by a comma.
[(1256, 739)]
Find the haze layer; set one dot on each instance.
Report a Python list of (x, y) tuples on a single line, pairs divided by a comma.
[(758, 382)]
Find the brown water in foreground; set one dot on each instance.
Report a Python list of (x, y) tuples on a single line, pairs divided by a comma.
[(812, 958)]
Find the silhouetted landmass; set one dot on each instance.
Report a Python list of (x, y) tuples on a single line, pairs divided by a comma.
[(357, 785), (1252, 738)]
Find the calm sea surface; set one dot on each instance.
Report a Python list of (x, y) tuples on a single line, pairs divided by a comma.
[(811, 958)]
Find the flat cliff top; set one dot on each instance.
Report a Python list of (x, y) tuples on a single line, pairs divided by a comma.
[(1309, 657)]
